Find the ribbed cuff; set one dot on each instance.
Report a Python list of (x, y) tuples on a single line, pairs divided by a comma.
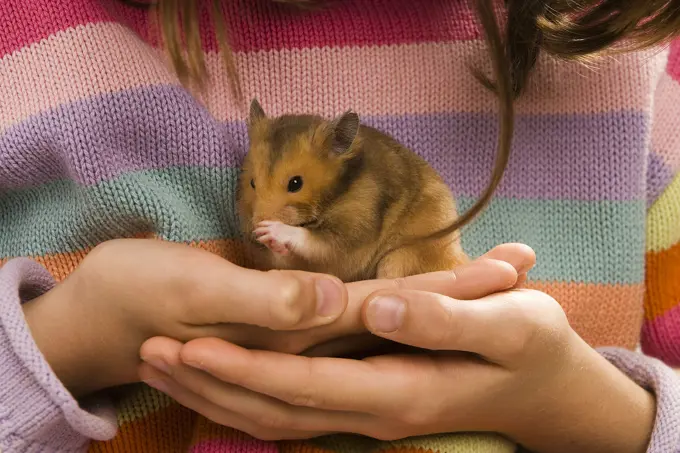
[(654, 376), (37, 413)]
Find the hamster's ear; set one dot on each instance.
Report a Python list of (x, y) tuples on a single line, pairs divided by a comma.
[(344, 131), (256, 112)]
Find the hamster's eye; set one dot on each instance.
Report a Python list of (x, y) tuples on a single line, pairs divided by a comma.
[(295, 184), (252, 183)]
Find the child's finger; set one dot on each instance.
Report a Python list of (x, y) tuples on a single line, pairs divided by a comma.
[(280, 300), (498, 327)]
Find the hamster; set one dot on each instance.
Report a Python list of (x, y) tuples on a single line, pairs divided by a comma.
[(341, 198)]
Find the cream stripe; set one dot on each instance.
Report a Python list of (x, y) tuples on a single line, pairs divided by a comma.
[(421, 78), (663, 219), (141, 403), (457, 443)]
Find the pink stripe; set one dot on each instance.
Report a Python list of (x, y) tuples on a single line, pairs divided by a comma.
[(371, 80), (245, 445), (257, 25), (268, 25), (661, 337), (430, 78), (674, 60), (51, 73), (24, 22), (666, 122)]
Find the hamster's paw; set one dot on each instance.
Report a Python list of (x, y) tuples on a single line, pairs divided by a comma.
[(279, 237)]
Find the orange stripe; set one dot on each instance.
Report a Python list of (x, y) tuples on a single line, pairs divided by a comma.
[(60, 265), (206, 430), (662, 282), (603, 315), (167, 431), (172, 428), (151, 425)]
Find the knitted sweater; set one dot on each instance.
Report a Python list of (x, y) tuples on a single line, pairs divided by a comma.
[(98, 140)]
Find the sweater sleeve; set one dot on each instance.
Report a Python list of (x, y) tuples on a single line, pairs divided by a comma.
[(656, 377), (660, 339), (36, 412), (661, 330)]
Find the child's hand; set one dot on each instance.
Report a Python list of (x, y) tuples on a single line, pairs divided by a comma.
[(531, 378), (91, 326)]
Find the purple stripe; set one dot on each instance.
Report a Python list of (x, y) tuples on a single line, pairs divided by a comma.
[(580, 157), (659, 175), (99, 138)]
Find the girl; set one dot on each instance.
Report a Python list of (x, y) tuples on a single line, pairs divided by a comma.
[(100, 140)]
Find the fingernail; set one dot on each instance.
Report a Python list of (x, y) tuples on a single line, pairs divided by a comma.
[(328, 298), (158, 384), (523, 267), (158, 364), (386, 314)]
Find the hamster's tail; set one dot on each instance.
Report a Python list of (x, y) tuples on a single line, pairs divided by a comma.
[(502, 86)]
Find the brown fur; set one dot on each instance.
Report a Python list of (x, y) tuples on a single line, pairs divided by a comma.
[(356, 204)]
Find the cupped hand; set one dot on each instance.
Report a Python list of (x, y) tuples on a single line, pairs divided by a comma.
[(502, 268), (91, 326), (508, 362)]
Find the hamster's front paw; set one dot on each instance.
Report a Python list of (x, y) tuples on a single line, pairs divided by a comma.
[(279, 237)]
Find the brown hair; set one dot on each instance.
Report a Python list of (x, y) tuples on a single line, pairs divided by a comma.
[(568, 29)]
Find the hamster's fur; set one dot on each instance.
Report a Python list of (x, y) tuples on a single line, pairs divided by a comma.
[(338, 197)]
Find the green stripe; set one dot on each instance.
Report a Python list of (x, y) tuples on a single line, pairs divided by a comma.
[(179, 204), (581, 241)]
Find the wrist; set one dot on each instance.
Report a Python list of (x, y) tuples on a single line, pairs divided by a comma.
[(79, 341), (594, 407)]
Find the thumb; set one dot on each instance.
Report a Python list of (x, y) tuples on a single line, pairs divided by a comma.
[(498, 327)]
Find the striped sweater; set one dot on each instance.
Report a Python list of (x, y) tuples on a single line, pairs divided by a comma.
[(98, 140)]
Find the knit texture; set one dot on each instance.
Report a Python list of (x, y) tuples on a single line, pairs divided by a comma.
[(36, 412), (98, 140), (661, 332), (652, 374)]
